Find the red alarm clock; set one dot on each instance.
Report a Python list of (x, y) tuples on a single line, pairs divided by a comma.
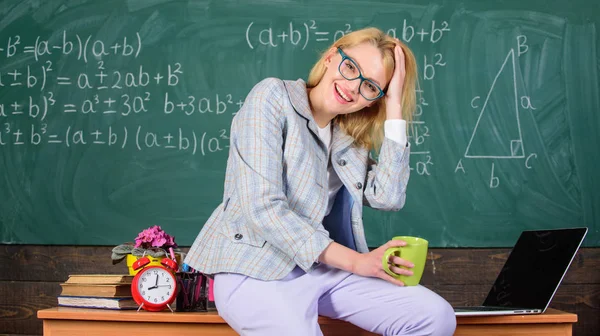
[(154, 288)]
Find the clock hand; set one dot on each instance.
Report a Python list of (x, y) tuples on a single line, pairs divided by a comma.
[(155, 285)]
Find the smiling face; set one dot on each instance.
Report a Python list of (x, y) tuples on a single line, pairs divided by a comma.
[(337, 95)]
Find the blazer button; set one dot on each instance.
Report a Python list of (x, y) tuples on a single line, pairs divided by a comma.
[(238, 236), (358, 185), (342, 162)]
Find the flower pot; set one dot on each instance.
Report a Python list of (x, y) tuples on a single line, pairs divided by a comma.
[(153, 261)]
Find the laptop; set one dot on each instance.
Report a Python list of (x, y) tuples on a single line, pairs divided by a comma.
[(532, 273)]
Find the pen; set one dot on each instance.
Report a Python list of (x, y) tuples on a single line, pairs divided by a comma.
[(198, 287)]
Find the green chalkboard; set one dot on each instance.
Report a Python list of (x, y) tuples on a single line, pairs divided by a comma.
[(115, 115)]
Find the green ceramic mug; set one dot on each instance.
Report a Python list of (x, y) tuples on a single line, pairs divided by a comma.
[(415, 251)]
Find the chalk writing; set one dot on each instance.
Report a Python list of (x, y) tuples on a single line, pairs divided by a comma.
[(141, 90), (81, 47), (139, 137), (300, 34), (514, 147)]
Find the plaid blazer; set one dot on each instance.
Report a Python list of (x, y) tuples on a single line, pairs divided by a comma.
[(276, 187)]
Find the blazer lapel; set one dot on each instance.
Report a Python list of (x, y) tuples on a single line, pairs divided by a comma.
[(299, 99), (340, 140)]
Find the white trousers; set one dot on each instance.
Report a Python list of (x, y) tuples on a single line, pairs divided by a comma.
[(290, 307)]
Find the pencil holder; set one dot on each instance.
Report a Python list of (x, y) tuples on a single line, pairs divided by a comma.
[(192, 292)]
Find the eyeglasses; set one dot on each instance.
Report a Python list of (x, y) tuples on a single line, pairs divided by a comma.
[(349, 70)]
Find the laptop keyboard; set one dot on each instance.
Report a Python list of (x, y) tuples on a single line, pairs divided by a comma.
[(480, 308)]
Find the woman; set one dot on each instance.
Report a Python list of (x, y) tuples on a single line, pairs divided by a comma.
[(287, 243)]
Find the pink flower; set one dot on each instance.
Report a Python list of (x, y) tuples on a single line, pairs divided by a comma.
[(154, 236), (171, 241)]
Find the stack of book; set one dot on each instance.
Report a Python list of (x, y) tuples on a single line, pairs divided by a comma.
[(108, 291)]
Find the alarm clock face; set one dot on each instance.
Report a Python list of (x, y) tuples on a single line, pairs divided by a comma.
[(156, 285)]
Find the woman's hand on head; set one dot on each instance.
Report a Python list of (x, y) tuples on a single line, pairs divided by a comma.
[(370, 264), (393, 96)]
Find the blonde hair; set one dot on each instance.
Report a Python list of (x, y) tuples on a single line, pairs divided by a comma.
[(366, 126)]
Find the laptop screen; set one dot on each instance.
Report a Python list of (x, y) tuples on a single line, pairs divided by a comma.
[(535, 268)]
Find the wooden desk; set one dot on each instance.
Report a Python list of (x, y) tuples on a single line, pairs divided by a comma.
[(63, 321)]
